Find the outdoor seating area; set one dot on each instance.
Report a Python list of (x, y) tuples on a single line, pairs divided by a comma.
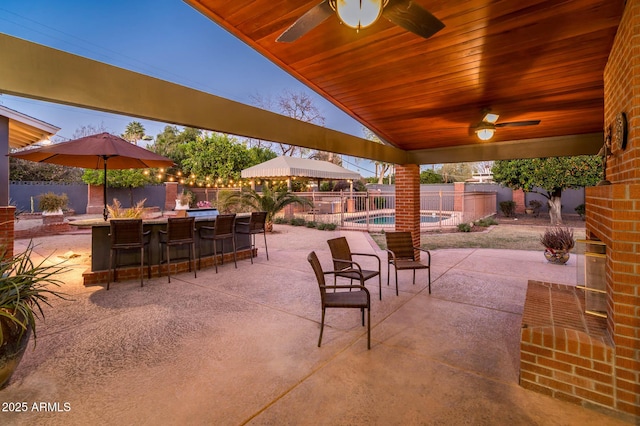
[(137, 355)]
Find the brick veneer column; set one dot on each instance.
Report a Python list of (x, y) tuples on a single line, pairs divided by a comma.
[(408, 200), (170, 195), (518, 197), (95, 199), (7, 219)]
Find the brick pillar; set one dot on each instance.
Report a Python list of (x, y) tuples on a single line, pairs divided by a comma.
[(408, 201), (458, 198), (518, 197), (170, 195), (95, 199), (7, 221)]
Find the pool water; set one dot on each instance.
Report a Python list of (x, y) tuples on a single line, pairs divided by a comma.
[(390, 219)]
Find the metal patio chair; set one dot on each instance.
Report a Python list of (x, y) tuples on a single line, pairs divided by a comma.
[(224, 229), (345, 266), (127, 235), (180, 231), (402, 255), (346, 299)]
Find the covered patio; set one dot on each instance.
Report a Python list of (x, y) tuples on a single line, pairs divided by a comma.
[(240, 346), (572, 65)]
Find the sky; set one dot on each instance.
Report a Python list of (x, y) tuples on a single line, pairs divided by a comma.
[(166, 39)]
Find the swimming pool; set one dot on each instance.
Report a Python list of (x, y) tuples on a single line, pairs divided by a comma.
[(390, 219)]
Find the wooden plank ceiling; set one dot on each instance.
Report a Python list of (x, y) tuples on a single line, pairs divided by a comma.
[(524, 59)]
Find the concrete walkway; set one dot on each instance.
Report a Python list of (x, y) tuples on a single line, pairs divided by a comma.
[(240, 346)]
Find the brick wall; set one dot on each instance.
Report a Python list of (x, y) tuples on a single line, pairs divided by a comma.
[(518, 197), (569, 357), (7, 229), (613, 212), (408, 201)]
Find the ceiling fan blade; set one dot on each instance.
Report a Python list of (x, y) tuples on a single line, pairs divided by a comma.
[(519, 123), (311, 19), (412, 17)]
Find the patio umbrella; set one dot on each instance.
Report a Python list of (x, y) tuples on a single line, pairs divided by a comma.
[(101, 151)]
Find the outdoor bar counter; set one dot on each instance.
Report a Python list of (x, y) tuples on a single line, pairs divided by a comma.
[(101, 244)]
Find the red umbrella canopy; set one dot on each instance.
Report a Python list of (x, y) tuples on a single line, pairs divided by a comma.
[(91, 152), (101, 151)]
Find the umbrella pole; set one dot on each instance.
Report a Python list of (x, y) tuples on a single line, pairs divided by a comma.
[(105, 212)]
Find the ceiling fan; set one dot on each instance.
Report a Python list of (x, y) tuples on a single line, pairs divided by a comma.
[(363, 13), (487, 127)]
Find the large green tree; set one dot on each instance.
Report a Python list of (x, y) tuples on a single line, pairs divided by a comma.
[(172, 141), (549, 177), (134, 132), (126, 178), (215, 156)]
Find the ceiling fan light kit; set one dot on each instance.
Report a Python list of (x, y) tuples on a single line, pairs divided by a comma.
[(363, 13), (485, 133), (358, 13)]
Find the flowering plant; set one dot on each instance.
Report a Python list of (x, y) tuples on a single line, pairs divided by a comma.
[(203, 204)]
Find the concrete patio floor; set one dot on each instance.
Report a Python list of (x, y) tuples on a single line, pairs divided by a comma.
[(240, 346)]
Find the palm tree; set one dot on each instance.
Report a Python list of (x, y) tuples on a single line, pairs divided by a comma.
[(268, 201), (134, 132)]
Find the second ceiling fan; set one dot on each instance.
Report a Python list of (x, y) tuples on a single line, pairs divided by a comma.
[(362, 13), (487, 127)]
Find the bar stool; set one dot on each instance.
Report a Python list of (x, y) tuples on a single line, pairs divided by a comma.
[(255, 226), (127, 235), (224, 229), (180, 231)]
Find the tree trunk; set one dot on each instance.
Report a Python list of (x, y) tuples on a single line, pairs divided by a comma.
[(555, 207)]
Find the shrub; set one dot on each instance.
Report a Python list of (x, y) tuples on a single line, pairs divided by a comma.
[(581, 210), (51, 202), (321, 226), (298, 221), (508, 208), (280, 220), (330, 226), (464, 227), (487, 221), (311, 224)]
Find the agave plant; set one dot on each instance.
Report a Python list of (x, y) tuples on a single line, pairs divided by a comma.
[(268, 201), (25, 287)]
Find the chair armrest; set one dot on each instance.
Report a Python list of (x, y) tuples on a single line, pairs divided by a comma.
[(426, 251), (369, 255), (348, 261), (360, 287), (393, 256)]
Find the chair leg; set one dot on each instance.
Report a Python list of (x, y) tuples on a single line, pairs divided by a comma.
[(215, 254), (110, 268), (265, 244), (252, 245), (369, 328), (141, 266), (168, 263), (380, 285), (321, 328), (233, 246), (148, 263), (362, 312), (192, 258), (414, 277), (394, 267), (429, 272)]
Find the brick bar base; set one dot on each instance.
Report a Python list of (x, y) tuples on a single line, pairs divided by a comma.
[(7, 233), (564, 352), (133, 272)]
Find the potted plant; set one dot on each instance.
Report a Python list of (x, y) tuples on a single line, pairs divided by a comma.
[(535, 206), (183, 200), (557, 242), (24, 288), (51, 206)]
